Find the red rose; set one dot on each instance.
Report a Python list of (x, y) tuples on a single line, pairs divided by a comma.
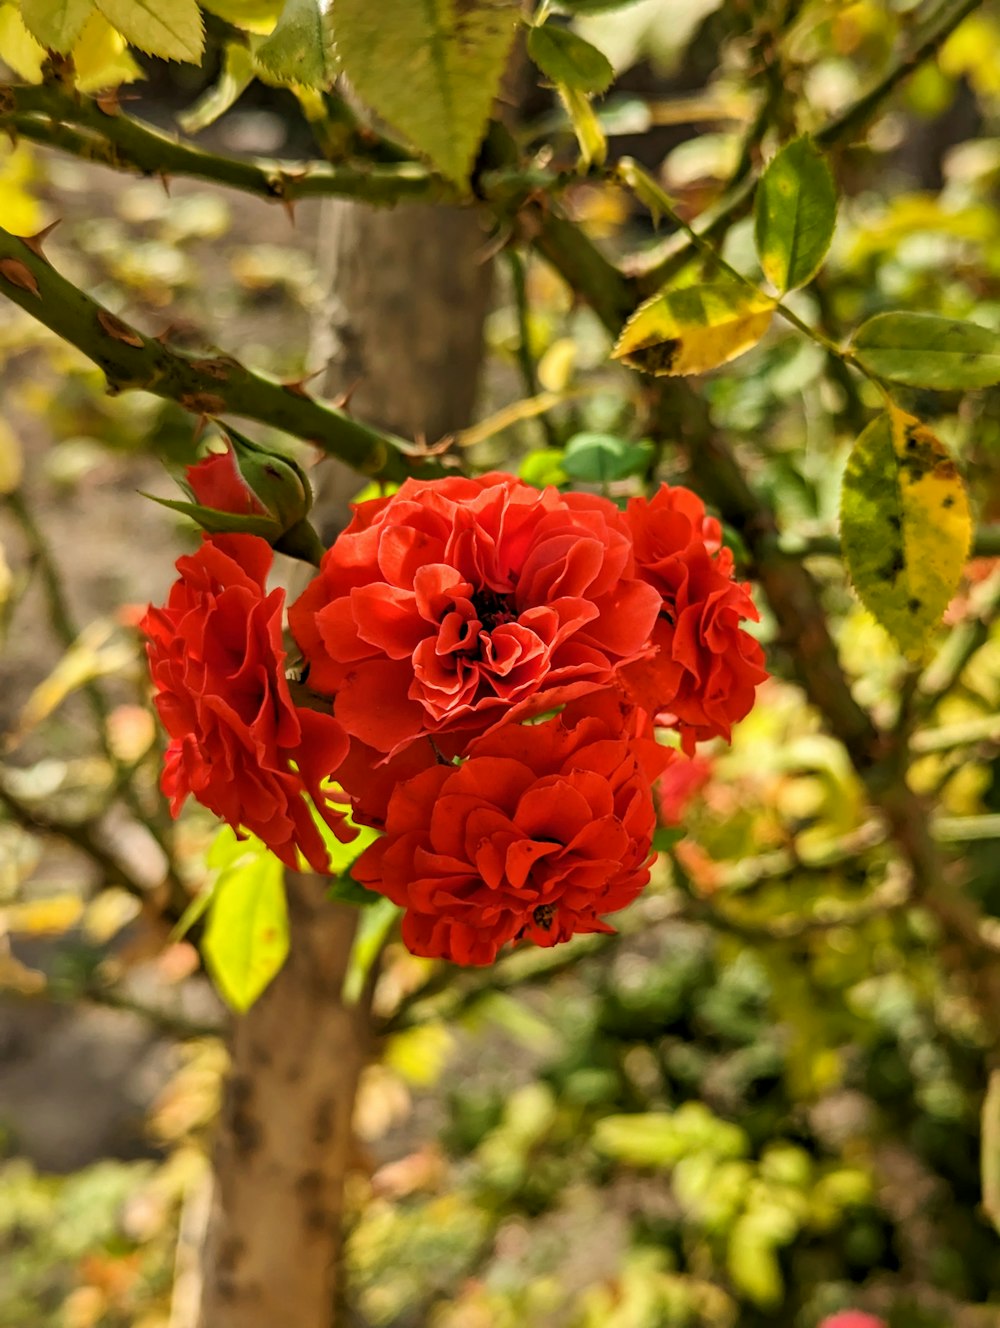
[(543, 829), (462, 604), (217, 661), (852, 1319), (706, 668), (216, 482)]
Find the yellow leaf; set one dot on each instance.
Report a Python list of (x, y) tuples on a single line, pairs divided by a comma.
[(44, 917), (18, 48), (91, 656), (694, 328), (101, 58), (905, 527), (11, 456), (18, 206)]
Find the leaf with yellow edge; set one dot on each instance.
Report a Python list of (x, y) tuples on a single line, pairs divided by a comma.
[(56, 23), (171, 31), (905, 527), (694, 328)]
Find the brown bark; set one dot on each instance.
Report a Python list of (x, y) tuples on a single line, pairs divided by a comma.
[(402, 325), (284, 1136)]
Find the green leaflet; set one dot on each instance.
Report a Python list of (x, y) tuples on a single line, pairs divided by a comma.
[(171, 30), (567, 59), (694, 328), (299, 48), (795, 213), (235, 77), (56, 23), (905, 527), (246, 936), (430, 67), (923, 350)]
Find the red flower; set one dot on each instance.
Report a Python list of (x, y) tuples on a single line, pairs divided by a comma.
[(853, 1319), (217, 661), (462, 604), (680, 782), (544, 828), (706, 668), (216, 482)]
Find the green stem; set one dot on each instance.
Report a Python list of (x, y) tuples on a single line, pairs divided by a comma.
[(204, 385)]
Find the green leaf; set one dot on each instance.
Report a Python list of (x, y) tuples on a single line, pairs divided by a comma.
[(753, 1263), (298, 50), (431, 67), (246, 936), (598, 458), (235, 77), (222, 523), (694, 328), (567, 59), (543, 467), (374, 926), (586, 126), (905, 527), (171, 30), (923, 350), (795, 213), (56, 23), (650, 194)]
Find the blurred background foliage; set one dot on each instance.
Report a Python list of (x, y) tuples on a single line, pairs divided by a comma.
[(761, 1103)]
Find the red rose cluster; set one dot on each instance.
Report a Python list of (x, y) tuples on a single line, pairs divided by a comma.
[(486, 665)]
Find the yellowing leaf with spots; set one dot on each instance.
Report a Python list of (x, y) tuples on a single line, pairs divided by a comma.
[(905, 527), (694, 328)]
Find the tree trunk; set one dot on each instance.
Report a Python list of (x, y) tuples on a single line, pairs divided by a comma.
[(401, 325)]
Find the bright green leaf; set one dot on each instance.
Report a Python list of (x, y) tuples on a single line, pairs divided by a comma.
[(795, 213), (432, 69), (567, 59), (923, 350), (246, 936), (543, 467), (905, 527), (171, 31), (236, 76), (753, 1264), (298, 50), (654, 198), (694, 328), (56, 23), (598, 458)]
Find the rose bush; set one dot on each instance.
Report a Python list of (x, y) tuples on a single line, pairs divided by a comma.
[(238, 744)]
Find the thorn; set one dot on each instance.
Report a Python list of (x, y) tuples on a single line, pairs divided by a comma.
[(181, 332), (164, 179), (35, 242), (343, 400), (19, 274), (289, 205), (12, 135), (118, 330), (298, 385), (109, 102), (200, 425)]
